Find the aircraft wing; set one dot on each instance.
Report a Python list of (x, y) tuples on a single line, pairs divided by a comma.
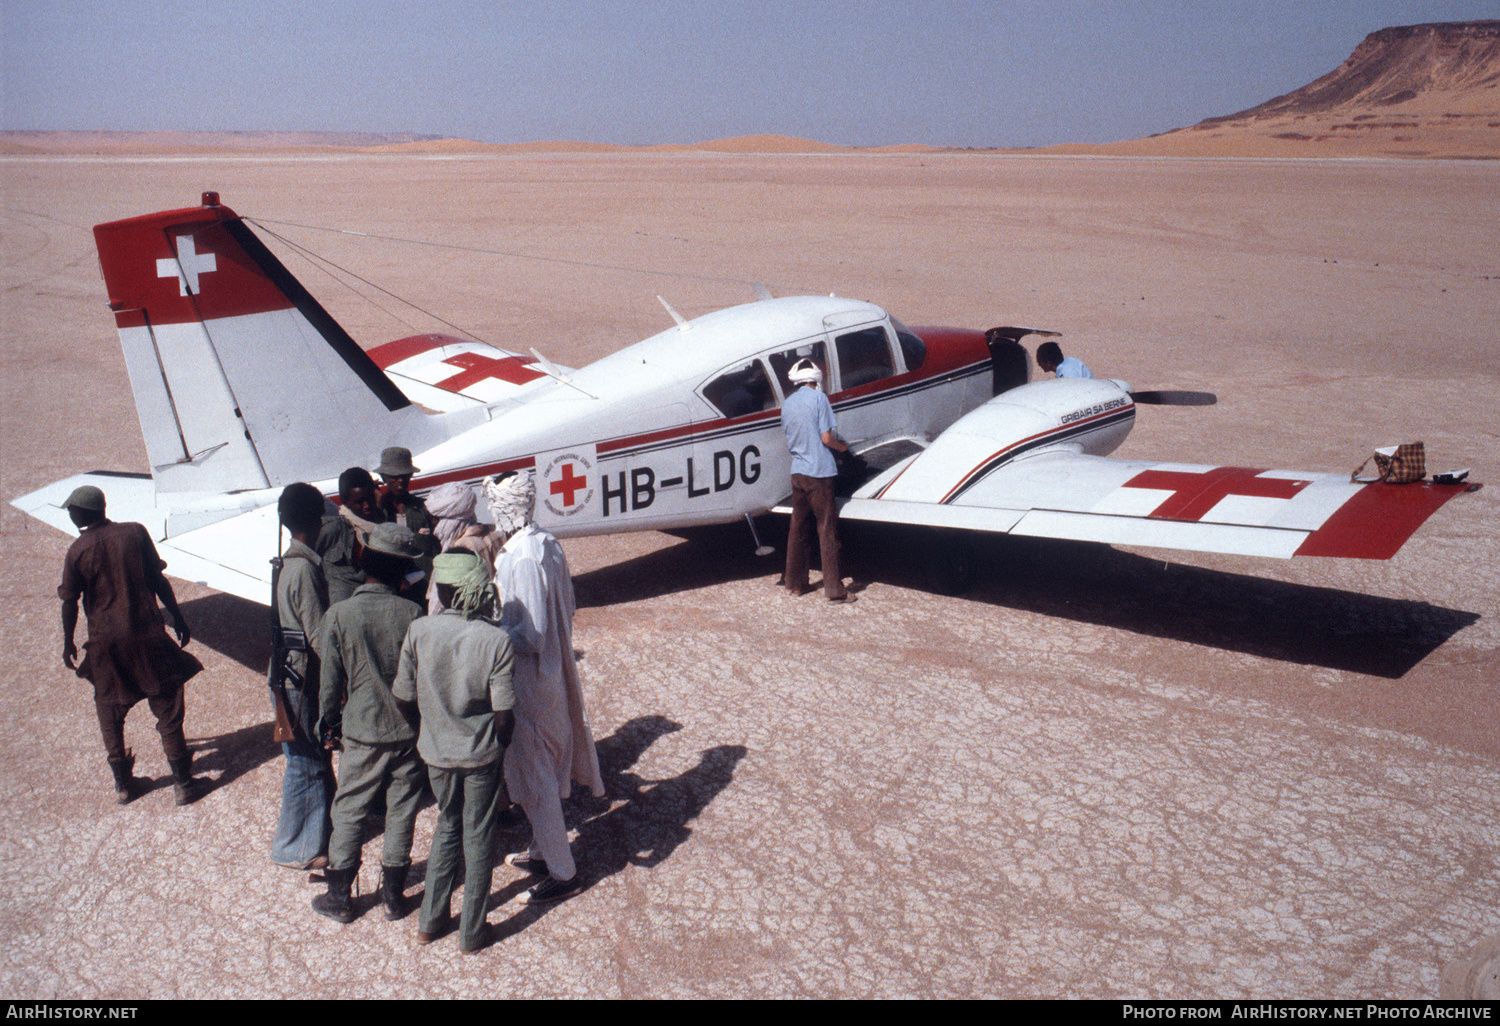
[(444, 373), (1236, 510), (231, 555)]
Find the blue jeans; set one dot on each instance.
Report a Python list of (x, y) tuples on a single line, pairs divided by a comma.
[(307, 788), (468, 800)]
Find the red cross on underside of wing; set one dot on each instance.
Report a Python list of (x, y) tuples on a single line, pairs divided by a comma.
[(1196, 494)]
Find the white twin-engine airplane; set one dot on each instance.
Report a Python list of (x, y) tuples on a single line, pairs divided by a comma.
[(244, 383)]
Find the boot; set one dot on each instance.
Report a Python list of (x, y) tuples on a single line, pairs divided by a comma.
[(392, 885), (186, 786), (337, 904), (127, 786)]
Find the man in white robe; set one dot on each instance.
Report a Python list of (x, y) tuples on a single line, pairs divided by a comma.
[(552, 746)]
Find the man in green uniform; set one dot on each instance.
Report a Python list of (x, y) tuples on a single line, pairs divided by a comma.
[(359, 716), (338, 540), (400, 506), (458, 668)]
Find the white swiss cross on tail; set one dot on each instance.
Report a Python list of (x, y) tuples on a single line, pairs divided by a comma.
[(188, 264)]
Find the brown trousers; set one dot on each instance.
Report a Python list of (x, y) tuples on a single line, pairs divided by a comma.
[(812, 499), (168, 709)]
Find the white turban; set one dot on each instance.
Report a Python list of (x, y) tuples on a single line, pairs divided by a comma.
[(452, 505), (511, 501)]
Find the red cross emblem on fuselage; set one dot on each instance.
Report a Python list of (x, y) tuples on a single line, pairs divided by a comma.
[(1196, 494), (569, 485)]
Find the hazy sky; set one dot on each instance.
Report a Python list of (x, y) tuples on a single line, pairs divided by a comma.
[(944, 72)]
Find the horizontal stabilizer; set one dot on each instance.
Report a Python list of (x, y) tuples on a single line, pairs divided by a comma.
[(444, 373), (128, 497), (231, 554)]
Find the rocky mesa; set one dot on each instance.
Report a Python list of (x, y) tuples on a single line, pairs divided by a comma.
[(1411, 91)]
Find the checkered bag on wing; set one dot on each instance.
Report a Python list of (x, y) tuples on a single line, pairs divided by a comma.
[(1397, 464)]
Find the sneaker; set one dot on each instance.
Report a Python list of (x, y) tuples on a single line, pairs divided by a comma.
[(550, 890), (846, 598), (525, 863)]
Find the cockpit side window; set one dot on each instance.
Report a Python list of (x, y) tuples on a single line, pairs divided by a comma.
[(864, 356), (913, 349), (741, 390), (782, 362)]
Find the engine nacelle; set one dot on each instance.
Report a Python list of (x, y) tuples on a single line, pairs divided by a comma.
[(1086, 415), (1083, 415)]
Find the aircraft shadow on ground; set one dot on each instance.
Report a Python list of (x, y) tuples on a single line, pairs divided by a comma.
[(1271, 619), (222, 759), (233, 627), (239, 629), (704, 557), (1085, 582), (638, 822)]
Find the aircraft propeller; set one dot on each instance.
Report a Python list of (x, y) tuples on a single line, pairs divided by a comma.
[(1175, 398)]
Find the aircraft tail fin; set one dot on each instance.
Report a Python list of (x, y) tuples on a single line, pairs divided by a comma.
[(241, 379)]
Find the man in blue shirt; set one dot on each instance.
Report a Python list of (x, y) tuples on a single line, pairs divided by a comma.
[(1050, 358), (811, 435)]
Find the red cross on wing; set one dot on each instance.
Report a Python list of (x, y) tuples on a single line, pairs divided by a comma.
[(1194, 494)]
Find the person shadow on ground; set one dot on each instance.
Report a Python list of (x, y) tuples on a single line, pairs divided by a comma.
[(220, 760), (639, 822)]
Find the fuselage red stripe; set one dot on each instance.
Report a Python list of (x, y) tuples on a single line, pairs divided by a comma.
[(629, 445)]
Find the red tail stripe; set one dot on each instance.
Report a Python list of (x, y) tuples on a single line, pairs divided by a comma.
[(140, 257)]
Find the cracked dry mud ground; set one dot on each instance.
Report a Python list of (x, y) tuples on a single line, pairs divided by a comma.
[(1101, 773)]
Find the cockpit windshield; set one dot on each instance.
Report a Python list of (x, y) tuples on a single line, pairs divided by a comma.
[(912, 347)]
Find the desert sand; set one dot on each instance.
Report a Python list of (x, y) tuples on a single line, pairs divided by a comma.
[(1101, 773)]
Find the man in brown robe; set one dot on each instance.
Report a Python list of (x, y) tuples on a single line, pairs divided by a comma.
[(115, 570)]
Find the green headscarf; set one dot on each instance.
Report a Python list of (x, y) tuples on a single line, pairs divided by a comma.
[(467, 574)]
